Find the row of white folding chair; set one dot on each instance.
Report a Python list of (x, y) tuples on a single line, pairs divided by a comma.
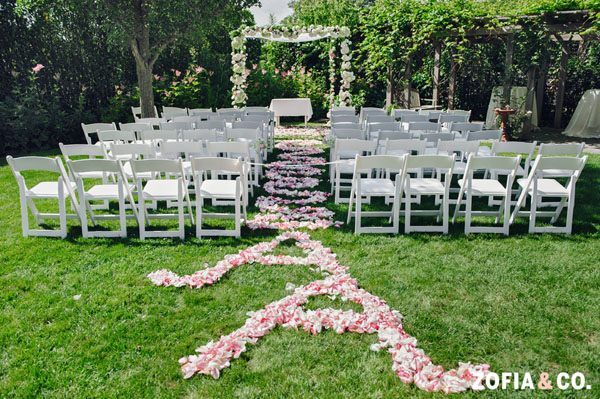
[(404, 184), (342, 156), (173, 187)]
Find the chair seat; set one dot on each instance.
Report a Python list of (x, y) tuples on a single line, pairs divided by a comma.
[(218, 189), (106, 191), (48, 189), (485, 187), (484, 150), (165, 189), (546, 187), (426, 186), (377, 187), (345, 166)]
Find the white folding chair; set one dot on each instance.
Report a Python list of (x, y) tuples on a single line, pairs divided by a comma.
[(172, 187), (567, 149), (93, 128), (132, 151), (119, 191), (432, 140), (254, 139), (339, 133), (522, 148), (235, 150), (155, 137), (177, 126), (538, 187), (185, 150), (202, 135), (350, 118), (375, 187), (343, 155), (215, 189), (470, 187), (217, 124), (257, 109), (347, 126), (433, 186), (451, 118), (465, 113), (484, 135), (61, 189), (154, 122), (91, 151), (398, 113)]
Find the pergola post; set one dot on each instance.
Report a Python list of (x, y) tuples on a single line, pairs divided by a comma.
[(562, 76), (541, 85), (506, 86), (452, 80), (436, 73)]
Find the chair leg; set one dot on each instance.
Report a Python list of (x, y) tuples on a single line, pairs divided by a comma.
[(181, 210), (24, 216), (358, 210), (237, 216), (559, 209), (143, 215), (62, 210), (122, 215), (532, 214), (407, 207), (199, 205), (468, 210)]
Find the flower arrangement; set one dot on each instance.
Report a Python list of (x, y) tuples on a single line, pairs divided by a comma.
[(238, 56)]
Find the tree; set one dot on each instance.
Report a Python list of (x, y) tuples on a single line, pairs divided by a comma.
[(148, 27)]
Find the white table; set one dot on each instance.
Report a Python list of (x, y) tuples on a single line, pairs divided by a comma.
[(291, 107)]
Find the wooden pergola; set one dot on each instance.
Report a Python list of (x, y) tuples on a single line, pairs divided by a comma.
[(562, 26)]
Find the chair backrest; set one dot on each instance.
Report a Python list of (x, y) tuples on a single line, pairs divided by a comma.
[(376, 162), (484, 135), (398, 113), (375, 126), (168, 115), (424, 127), (464, 127), (247, 125), (94, 165), (379, 118), (446, 118), (347, 125), (135, 127), (344, 118), (348, 133), (437, 137), (574, 164), (211, 124), (175, 149), (93, 128), (259, 117), (133, 150), (414, 118), (405, 145), (159, 135), (393, 135), (200, 134), (231, 112), (217, 166), (173, 109), (460, 112), (518, 147), (363, 146), (344, 112), (231, 149), (475, 163), (194, 111), (257, 109), (137, 111), (87, 150), (124, 136), (151, 121), (264, 114), (201, 115), (574, 149), (22, 164), (167, 166), (242, 134), (430, 161), (185, 119), (432, 115), (176, 126)]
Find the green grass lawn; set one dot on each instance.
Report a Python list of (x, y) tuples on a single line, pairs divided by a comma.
[(524, 303)]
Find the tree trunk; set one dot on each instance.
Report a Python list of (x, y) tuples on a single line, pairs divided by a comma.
[(144, 74), (452, 81), (144, 61)]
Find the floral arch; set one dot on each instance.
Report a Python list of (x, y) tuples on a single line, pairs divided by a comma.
[(291, 35)]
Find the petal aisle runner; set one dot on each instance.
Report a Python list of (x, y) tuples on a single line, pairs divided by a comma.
[(289, 206)]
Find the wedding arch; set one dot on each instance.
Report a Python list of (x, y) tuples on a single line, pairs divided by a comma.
[(291, 35)]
